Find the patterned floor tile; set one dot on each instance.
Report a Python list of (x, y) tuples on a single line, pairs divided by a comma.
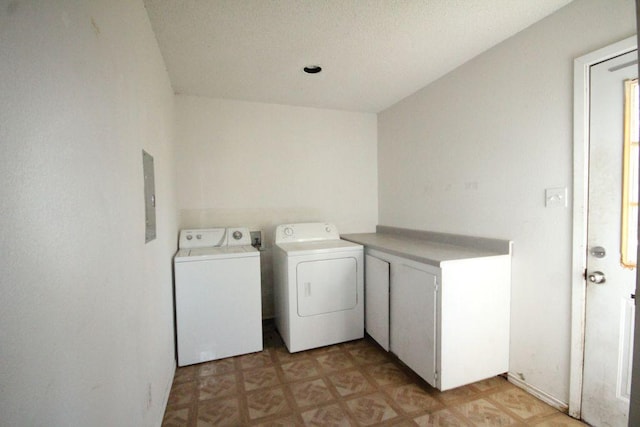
[(263, 403), (177, 417), (219, 412), (212, 387), (255, 379), (413, 398), (492, 383), (329, 416), (355, 383), (323, 350), (299, 370), (334, 361), (403, 423), (387, 373), (483, 413), (522, 403), (183, 393), (350, 383), (288, 421), (217, 367), (309, 393), (256, 360), (457, 394), (559, 420), (371, 409), (357, 344), (369, 355), (186, 374), (442, 418), (283, 356)]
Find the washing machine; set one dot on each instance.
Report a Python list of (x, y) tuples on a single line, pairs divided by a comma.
[(217, 295), (319, 286)]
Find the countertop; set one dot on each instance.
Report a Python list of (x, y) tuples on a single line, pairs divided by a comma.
[(429, 247)]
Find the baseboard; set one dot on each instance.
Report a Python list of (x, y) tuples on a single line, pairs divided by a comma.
[(167, 391), (545, 397)]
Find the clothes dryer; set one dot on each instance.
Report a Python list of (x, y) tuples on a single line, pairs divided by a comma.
[(319, 286)]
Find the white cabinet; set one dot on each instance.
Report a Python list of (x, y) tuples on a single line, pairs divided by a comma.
[(413, 319), (376, 302), (449, 324)]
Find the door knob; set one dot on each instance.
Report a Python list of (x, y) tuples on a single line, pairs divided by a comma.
[(597, 277)]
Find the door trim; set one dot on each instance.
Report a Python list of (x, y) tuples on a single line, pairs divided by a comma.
[(581, 78)]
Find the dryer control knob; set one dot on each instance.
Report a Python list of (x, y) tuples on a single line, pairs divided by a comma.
[(328, 229), (237, 235), (198, 236), (288, 231), (189, 237)]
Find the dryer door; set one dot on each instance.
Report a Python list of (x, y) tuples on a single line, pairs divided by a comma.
[(326, 286)]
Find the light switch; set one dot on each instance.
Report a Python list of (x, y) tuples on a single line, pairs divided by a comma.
[(555, 197)]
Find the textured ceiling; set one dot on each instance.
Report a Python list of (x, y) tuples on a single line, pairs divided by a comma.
[(373, 53)]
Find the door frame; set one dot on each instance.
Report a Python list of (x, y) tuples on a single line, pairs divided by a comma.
[(581, 105)]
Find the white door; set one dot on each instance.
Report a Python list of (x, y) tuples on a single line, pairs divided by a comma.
[(376, 306), (610, 284), (327, 286)]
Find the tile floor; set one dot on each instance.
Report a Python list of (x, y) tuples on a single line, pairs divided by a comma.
[(349, 384)]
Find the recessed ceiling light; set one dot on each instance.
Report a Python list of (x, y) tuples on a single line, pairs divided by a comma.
[(312, 69)]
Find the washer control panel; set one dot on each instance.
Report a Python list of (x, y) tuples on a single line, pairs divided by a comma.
[(238, 236), (202, 238), (214, 237), (306, 232)]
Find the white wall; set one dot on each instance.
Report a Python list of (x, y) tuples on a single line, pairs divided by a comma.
[(86, 336), (473, 153), (260, 165)]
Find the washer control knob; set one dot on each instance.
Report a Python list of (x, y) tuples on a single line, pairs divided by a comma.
[(189, 237), (237, 235), (198, 236), (328, 229), (288, 231)]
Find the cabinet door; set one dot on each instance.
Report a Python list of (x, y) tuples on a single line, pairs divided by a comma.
[(377, 299), (413, 319)]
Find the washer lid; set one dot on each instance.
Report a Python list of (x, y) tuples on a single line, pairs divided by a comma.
[(204, 254), (318, 247)]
